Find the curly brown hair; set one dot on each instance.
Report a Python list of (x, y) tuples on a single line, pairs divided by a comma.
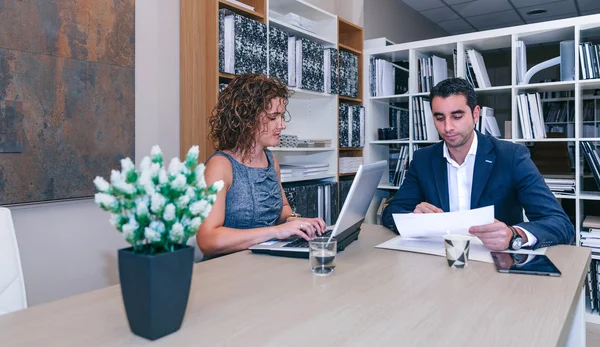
[(236, 119)]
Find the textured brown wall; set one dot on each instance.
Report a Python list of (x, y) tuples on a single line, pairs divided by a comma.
[(66, 95)]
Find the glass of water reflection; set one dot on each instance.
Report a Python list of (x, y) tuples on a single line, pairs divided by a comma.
[(322, 255)]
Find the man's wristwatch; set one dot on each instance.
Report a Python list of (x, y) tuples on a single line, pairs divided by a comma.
[(294, 214), (516, 241)]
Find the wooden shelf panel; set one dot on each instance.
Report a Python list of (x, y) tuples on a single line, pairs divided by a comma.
[(227, 76), (350, 35), (256, 15), (350, 149), (349, 49), (350, 99)]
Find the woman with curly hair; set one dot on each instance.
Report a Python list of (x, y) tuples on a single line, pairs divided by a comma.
[(251, 208)]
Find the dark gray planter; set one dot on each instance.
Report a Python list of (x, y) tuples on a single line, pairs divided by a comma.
[(155, 290)]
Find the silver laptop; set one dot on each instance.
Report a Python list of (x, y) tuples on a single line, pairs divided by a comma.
[(348, 224)]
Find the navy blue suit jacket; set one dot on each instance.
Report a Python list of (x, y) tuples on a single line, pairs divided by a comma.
[(503, 176)]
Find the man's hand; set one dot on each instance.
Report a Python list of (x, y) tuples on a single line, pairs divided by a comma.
[(425, 207), (495, 236)]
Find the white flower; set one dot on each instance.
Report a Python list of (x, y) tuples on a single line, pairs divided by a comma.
[(182, 202), (206, 211), (199, 171), (191, 158), (114, 220), (157, 203), (115, 177), (141, 207), (176, 232), (179, 183), (196, 222), (151, 235), (162, 176), (169, 213), (124, 187), (155, 152), (127, 165), (146, 182), (158, 226), (218, 185), (145, 164), (198, 207), (175, 167), (190, 193), (212, 198), (154, 170), (101, 184), (106, 201), (129, 229)]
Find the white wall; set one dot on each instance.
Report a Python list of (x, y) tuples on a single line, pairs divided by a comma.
[(350, 10), (69, 248), (398, 22)]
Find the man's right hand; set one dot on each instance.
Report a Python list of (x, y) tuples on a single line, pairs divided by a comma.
[(425, 207)]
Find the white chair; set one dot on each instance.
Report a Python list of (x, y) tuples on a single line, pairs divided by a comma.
[(12, 285)]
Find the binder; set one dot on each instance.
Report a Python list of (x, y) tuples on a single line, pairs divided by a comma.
[(567, 60)]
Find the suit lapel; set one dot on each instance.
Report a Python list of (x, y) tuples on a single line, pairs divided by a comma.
[(440, 174), (484, 163)]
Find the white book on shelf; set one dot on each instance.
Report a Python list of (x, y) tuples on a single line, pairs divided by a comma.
[(229, 43), (440, 69), (292, 61), (483, 80), (534, 116), (538, 98), (432, 134), (326, 71), (299, 62), (491, 124)]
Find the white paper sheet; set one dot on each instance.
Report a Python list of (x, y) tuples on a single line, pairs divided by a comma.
[(434, 224), (435, 246)]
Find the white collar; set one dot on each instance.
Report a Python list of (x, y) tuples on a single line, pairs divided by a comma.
[(472, 151)]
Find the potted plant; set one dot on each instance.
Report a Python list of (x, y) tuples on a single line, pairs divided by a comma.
[(157, 210)]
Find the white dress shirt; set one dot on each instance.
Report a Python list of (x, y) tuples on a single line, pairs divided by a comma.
[(460, 182)]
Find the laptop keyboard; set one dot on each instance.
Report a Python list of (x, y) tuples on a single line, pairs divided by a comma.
[(302, 243)]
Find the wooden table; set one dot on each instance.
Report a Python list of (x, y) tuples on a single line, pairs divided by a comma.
[(375, 298)]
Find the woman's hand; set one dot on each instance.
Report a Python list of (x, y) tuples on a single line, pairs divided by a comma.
[(306, 228)]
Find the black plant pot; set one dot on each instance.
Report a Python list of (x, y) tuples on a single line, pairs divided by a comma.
[(155, 290)]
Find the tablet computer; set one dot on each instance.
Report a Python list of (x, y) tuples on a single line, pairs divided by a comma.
[(523, 263)]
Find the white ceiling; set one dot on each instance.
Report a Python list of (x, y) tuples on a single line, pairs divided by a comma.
[(464, 16)]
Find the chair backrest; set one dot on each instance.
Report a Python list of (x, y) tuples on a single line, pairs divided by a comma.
[(12, 285)]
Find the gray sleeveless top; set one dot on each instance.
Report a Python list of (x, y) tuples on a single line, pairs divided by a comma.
[(254, 199)]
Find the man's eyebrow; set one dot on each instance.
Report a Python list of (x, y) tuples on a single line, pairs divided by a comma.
[(435, 114)]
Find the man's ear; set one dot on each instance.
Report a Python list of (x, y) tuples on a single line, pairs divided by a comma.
[(476, 112)]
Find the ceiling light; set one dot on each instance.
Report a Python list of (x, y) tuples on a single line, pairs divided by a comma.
[(536, 12)]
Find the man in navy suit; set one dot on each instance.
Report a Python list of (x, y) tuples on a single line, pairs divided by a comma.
[(470, 170)]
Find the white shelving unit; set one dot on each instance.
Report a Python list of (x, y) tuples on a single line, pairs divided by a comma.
[(499, 44), (314, 114)]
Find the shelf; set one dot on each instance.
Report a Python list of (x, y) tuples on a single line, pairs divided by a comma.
[(242, 10), (387, 187), (589, 195), (297, 149), (300, 32), (592, 317), (391, 98), (547, 87), (552, 139), (493, 90), (389, 142), (308, 178), (564, 196), (570, 98), (350, 99), (349, 49), (420, 94), (350, 149), (590, 84), (590, 139), (347, 174), (226, 75), (309, 94)]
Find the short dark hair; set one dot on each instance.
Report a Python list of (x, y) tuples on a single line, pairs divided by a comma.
[(455, 86)]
